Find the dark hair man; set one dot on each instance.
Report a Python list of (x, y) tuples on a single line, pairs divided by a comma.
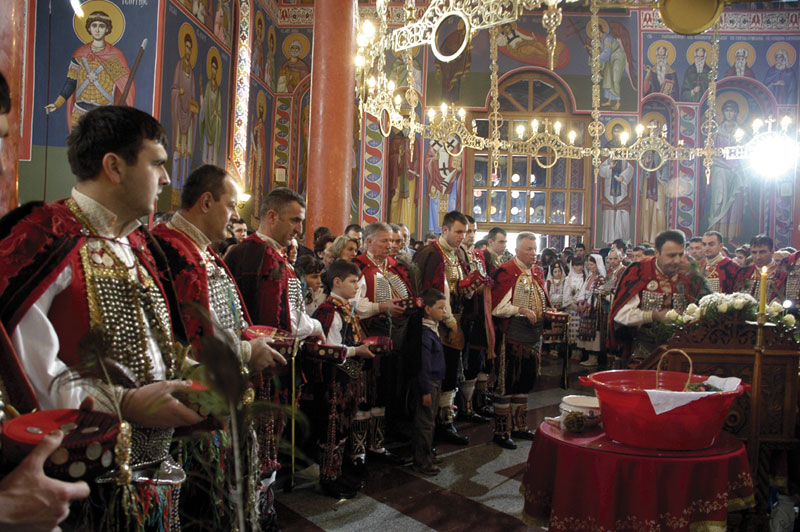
[(720, 271), (91, 248), (749, 281), (440, 268), (648, 289)]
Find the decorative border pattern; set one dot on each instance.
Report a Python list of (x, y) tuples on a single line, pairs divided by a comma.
[(372, 170), (688, 174), (282, 123), (242, 96), (733, 21)]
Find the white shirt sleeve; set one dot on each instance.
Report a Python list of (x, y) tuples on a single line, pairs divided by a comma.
[(505, 309), (365, 307), (37, 346), (631, 315), (304, 325)]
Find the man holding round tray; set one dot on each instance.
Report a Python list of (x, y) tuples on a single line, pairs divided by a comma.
[(81, 276)]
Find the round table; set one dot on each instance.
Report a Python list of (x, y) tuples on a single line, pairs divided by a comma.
[(588, 482)]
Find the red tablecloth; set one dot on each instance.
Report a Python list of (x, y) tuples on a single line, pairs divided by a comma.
[(588, 482)]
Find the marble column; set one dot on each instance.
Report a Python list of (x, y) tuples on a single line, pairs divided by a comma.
[(330, 150)]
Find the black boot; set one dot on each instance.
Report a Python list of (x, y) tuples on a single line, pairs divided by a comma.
[(448, 433), (502, 419)]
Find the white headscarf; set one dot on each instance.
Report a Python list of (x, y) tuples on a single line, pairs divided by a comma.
[(601, 267)]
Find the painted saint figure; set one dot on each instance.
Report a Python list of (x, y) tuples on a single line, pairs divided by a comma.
[(98, 72), (258, 151), (614, 62), (697, 78), (725, 202), (781, 77), (443, 173), (661, 77), (222, 21), (184, 109), (257, 61), (742, 61), (269, 63), (616, 198), (211, 111), (294, 69), (653, 212)]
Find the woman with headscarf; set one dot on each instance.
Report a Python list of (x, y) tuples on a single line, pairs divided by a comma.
[(572, 287), (588, 303), (554, 286)]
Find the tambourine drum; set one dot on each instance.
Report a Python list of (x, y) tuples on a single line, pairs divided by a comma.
[(379, 345), (555, 325), (280, 340), (86, 451), (410, 303), (328, 353)]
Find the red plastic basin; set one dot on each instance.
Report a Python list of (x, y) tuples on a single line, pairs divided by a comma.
[(628, 416)]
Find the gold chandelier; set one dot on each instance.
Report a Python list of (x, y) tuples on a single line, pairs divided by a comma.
[(650, 149)]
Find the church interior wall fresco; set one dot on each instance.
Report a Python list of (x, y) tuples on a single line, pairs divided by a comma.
[(650, 76)]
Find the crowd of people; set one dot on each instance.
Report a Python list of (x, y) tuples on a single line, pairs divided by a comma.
[(399, 338)]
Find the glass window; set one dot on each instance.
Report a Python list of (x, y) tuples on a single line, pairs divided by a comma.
[(558, 174), (479, 205), (519, 169), (483, 127), (576, 173), (576, 208), (502, 172), (537, 207), (498, 209), (517, 207), (538, 176), (480, 170), (557, 207)]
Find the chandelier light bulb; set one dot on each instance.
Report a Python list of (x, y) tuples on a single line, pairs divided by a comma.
[(368, 28), (371, 81), (462, 114), (361, 40), (623, 137), (474, 125), (535, 126), (572, 136), (785, 122), (444, 109), (520, 130), (431, 114), (360, 62), (390, 86), (397, 99), (757, 124), (557, 128), (772, 155), (738, 135), (639, 130)]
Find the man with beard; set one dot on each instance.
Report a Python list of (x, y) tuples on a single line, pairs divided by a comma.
[(749, 281), (697, 78), (273, 296), (647, 290), (440, 267), (739, 67), (720, 272), (781, 79), (661, 77)]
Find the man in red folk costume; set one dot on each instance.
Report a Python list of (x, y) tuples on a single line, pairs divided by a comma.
[(383, 289), (201, 279), (478, 331), (519, 302), (84, 264), (720, 272), (443, 268), (647, 290), (749, 280), (273, 296)]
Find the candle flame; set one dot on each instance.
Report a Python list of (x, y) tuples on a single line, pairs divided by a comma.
[(764, 269)]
